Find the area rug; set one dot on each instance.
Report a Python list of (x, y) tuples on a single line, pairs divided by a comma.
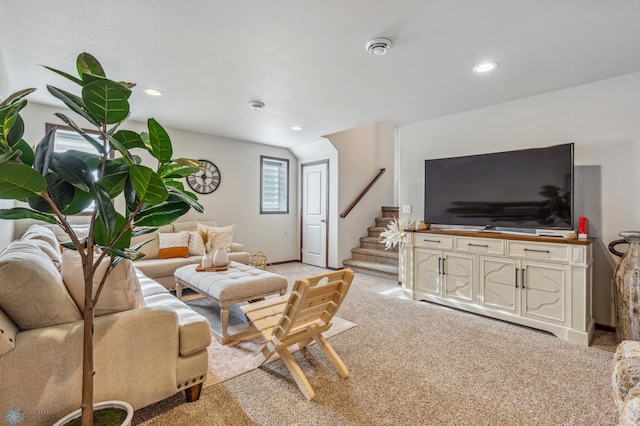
[(236, 358)]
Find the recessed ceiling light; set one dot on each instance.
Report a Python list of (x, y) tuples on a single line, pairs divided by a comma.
[(485, 67), (153, 92), (256, 105), (296, 128), (378, 46)]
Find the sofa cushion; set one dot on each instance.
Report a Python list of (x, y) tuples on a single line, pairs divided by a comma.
[(81, 230), (120, 292), (32, 292), (173, 244), (161, 267), (151, 249), (38, 246), (42, 233), (220, 236), (194, 329)]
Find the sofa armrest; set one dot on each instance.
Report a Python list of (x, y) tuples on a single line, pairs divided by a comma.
[(135, 360), (236, 247)]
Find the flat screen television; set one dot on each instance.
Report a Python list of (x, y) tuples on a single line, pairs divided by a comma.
[(529, 188)]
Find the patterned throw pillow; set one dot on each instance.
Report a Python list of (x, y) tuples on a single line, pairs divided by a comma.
[(220, 236), (174, 244), (196, 245)]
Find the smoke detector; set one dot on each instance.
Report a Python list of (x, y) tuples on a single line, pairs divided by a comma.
[(256, 105), (378, 46)]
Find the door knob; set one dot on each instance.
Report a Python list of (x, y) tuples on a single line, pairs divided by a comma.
[(322, 220)]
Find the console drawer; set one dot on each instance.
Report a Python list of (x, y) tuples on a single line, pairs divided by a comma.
[(480, 245), (436, 241), (539, 251)]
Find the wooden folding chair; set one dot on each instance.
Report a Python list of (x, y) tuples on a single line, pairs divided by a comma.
[(299, 318)]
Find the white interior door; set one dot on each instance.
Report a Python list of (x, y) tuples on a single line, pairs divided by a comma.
[(314, 214)]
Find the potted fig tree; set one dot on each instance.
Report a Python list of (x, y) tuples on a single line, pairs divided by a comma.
[(60, 184)]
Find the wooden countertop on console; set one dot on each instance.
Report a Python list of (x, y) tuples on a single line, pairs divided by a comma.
[(504, 236)]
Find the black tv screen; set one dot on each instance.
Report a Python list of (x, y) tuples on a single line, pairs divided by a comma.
[(530, 188)]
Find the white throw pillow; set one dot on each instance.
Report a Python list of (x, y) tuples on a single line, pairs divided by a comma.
[(221, 237), (121, 292), (196, 245), (173, 244)]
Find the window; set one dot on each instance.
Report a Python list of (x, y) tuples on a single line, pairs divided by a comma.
[(274, 185), (66, 139)]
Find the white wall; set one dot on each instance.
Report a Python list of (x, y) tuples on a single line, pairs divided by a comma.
[(601, 118), (362, 152), (237, 199)]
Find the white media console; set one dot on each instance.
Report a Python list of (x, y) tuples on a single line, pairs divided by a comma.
[(540, 282)]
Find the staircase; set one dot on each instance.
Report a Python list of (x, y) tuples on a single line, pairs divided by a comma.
[(371, 258)]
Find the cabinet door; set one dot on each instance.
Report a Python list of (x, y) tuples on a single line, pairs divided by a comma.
[(457, 276), (427, 271), (544, 291), (498, 284)]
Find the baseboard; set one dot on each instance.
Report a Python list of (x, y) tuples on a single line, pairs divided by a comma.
[(605, 327)]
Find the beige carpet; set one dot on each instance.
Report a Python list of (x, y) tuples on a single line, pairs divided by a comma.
[(414, 363)]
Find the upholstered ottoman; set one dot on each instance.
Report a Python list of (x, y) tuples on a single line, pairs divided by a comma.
[(239, 283)]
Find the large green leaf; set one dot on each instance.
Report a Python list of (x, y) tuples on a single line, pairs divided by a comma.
[(121, 149), (106, 211), (15, 97), (8, 156), (8, 117), (65, 75), (129, 139), (75, 104), (174, 170), (60, 192), (93, 161), (16, 132), (23, 213), (162, 214), (88, 64), (72, 170), (160, 141), (96, 144), (148, 185), (106, 100), (130, 196), (19, 181), (125, 253), (80, 202), (113, 183), (27, 156), (44, 152), (104, 238), (188, 198)]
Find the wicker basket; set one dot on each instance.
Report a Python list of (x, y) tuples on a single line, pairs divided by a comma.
[(259, 260)]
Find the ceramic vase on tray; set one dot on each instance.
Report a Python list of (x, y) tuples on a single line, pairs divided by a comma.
[(207, 261), (220, 257)]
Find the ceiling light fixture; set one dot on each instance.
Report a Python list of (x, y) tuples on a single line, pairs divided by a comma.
[(485, 67), (296, 128), (378, 46), (256, 105), (153, 92)]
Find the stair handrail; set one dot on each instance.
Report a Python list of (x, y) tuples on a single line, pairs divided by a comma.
[(362, 194)]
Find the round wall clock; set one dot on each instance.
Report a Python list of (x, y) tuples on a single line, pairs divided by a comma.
[(207, 181)]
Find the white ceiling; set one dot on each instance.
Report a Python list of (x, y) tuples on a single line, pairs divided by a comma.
[(306, 59)]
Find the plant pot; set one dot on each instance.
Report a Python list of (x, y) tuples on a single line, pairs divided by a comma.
[(100, 406)]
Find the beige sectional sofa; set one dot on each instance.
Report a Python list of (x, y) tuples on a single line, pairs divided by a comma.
[(142, 355), (162, 270)]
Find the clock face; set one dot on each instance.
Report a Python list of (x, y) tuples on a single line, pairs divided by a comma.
[(207, 181)]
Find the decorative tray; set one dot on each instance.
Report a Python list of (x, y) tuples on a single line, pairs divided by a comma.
[(199, 268)]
